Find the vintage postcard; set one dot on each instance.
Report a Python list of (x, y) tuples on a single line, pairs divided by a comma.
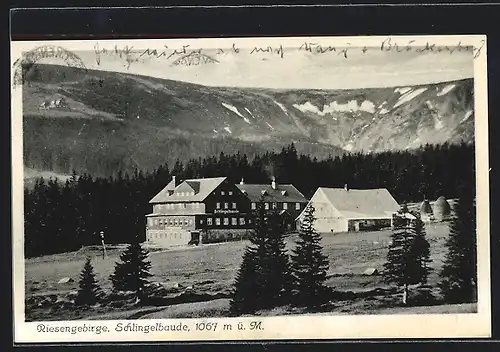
[(250, 189)]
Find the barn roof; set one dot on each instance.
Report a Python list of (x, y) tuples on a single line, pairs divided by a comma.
[(192, 190), (361, 203), (282, 193)]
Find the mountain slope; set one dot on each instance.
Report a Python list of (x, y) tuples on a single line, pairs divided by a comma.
[(101, 122)]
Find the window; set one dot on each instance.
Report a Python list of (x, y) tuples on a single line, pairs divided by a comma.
[(275, 205), (297, 206), (217, 221), (217, 205), (234, 205), (209, 221), (201, 221), (156, 222), (254, 206), (234, 221), (190, 221), (266, 206), (230, 193), (249, 221), (226, 205), (226, 221), (285, 206), (176, 222), (222, 193), (171, 222), (185, 205), (242, 221), (186, 222)]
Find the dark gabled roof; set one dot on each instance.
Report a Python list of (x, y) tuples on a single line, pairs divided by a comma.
[(255, 191), (195, 190)]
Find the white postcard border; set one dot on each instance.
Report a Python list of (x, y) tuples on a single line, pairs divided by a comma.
[(285, 327)]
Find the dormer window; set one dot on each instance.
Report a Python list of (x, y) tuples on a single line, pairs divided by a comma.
[(284, 193), (263, 192), (222, 193), (230, 193)]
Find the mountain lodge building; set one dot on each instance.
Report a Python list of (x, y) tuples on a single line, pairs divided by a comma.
[(212, 209)]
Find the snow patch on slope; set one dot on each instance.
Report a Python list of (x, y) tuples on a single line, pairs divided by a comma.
[(228, 129), (249, 112), (282, 107), (383, 111), (232, 108), (271, 127), (467, 115), (348, 147), (351, 106), (409, 96), (402, 90), (446, 90)]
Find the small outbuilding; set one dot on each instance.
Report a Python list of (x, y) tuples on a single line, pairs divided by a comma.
[(344, 210), (442, 209)]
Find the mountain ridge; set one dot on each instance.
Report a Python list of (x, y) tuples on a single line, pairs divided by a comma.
[(117, 118)]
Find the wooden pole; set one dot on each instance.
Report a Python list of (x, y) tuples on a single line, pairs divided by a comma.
[(104, 255)]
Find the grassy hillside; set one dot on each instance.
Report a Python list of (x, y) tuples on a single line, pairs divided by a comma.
[(211, 269)]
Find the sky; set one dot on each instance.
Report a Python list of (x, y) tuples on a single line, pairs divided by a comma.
[(292, 68)]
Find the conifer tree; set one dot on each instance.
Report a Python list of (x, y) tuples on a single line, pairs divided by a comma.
[(408, 257), (89, 290), (277, 266), (250, 284), (309, 264), (264, 278), (459, 272), (132, 273)]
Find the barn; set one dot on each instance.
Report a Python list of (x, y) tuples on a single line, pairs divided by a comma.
[(343, 209)]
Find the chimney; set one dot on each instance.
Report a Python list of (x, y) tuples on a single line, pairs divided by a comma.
[(346, 187), (242, 182), (273, 183), (171, 191)]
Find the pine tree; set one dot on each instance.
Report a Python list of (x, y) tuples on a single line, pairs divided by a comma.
[(277, 267), (89, 290), (132, 273), (309, 264), (459, 272), (250, 282), (408, 257), (264, 278), (246, 294)]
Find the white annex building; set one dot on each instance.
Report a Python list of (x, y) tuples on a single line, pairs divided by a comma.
[(343, 209)]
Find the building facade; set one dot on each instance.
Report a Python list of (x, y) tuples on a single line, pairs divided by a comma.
[(207, 210), (344, 210), (284, 198), (191, 211)]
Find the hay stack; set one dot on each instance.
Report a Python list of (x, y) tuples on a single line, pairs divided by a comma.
[(426, 211), (442, 209)]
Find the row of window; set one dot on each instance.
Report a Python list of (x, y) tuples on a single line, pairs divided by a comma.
[(182, 205), (172, 222), (223, 193), (170, 235), (226, 205), (225, 221), (275, 206), (184, 194), (210, 221)]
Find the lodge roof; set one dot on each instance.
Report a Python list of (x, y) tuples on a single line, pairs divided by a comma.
[(282, 193), (192, 190), (361, 203)]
